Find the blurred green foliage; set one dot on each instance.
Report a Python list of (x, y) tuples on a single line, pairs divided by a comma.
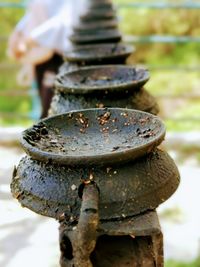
[(134, 22), (11, 104), (177, 22), (172, 263)]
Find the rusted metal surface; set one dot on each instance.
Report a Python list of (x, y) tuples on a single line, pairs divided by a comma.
[(100, 4), (99, 10), (139, 100), (104, 78), (97, 14), (99, 54), (94, 137), (83, 238), (100, 25), (118, 86), (101, 36), (74, 92), (136, 241), (126, 190), (99, 171)]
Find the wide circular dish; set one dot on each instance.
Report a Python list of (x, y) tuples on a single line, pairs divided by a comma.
[(96, 15), (100, 25), (101, 78), (94, 137), (107, 12), (101, 5), (91, 32), (101, 36), (93, 53), (101, 8)]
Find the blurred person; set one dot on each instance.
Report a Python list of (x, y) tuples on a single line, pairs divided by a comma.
[(40, 38)]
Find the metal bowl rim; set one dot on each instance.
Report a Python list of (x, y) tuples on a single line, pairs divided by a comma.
[(106, 158)]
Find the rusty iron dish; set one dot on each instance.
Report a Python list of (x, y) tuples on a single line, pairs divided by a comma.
[(102, 78), (51, 190), (94, 136), (96, 15), (107, 12), (101, 5), (100, 25), (91, 31), (100, 36), (87, 32), (102, 8), (99, 53)]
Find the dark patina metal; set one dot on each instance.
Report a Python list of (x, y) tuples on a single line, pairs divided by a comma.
[(110, 78), (96, 54), (131, 242), (51, 189), (139, 99), (101, 9), (95, 15), (94, 136), (99, 172), (101, 36), (99, 54), (100, 25), (107, 201), (98, 11), (126, 190), (100, 5), (104, 86)]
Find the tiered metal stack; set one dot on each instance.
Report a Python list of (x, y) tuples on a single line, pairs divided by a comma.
[(97, 85), (99, 171)]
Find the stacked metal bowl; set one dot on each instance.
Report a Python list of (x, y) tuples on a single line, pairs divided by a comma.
[(95, 163)]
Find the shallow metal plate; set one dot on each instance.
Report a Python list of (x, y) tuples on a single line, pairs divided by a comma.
[(100, 36), (94, 136), (95, 53), (101, 24), (102, 78), (96, 15)]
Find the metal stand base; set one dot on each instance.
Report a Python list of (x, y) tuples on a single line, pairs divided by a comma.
[(133, 242)]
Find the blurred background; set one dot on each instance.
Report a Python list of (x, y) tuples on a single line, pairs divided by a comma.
[(166, 36)]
